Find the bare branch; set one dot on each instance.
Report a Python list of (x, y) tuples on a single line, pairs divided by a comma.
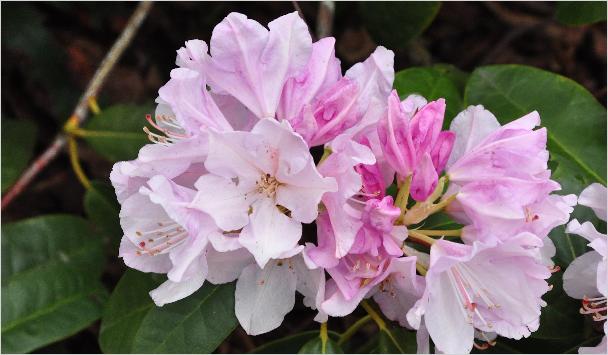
[(325, 18), (80, 112)]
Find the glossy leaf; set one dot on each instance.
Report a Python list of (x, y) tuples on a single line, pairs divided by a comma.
[(102, 208), (18, 138), (575, 120), (432, 84), (117, 132), (396, 340), (291, 344), (131, 322), (315, 346), (394, 24), (580, 12), (51, 267)]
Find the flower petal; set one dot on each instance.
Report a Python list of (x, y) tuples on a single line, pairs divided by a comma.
[(580, 278), (424, 179), (270, 233), (221, 199), (264, 296), (252, 63), (226, 266), (170, 291), (471, 126), (594, 196)]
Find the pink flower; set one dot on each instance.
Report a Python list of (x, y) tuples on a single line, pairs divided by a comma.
[(254, 178), (413, 144), (368, 261), (500, 177), (586, 277), (492, 287)]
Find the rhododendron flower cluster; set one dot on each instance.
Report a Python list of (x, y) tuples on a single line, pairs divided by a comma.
[(586, 277), (223, 192)]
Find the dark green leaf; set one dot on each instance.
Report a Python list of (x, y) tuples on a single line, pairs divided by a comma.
[(40, 56), (397, 341), (51, 267), (116, 133), (102, 208), (18, 138), (394, 24), (580, 12), (576, 122), (432, 83), (131, 322), (315, 346), (291, 344)]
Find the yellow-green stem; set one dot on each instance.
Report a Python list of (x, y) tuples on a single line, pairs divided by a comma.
[(441, 233), (421, 269), (326, 154), (323, 335), (348, 333), (73, 150), (374, 315), (421, 237), (403, 196)]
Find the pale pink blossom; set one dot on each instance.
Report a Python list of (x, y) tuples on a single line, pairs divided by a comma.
[(500, 177), (254, 179), (586, 277), (493, 287)]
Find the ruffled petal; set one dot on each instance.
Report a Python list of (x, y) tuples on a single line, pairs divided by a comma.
[(252, 63), (270, 233), (264, 296)]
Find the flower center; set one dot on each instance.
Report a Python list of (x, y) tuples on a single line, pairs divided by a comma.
[(167, 236), (595, 306), (267, 185)]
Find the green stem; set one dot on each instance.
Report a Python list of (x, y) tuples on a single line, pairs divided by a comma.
[(441, 233), (344, 337), (403, 196), (323, 335), (420, 237), (381, 324)]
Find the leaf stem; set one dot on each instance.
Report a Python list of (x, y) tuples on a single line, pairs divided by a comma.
[(403, 196), (323, 336), (441, 233), (421, 237), (348, 333), (73, 150), (381, 324)]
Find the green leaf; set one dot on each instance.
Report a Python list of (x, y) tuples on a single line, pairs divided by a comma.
[(560, 319), (51, 267), (432, 83), (580, 12), (315, 346), (394, 24), (291, 344), (396, 341), (117, 132), (102, 208), (575, 120), (199, 323), (18, 138)]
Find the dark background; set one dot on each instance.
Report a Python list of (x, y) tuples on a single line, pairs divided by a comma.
[(50, 51)]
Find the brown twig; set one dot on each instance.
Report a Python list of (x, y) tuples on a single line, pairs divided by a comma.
[(325, 18), (80, 112)]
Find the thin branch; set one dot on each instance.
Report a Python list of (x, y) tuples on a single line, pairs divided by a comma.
[(325, 18), (80, 112)]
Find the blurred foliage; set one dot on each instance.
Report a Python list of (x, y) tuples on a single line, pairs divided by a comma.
[(395, 24), (18, 138), (576, 13)]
